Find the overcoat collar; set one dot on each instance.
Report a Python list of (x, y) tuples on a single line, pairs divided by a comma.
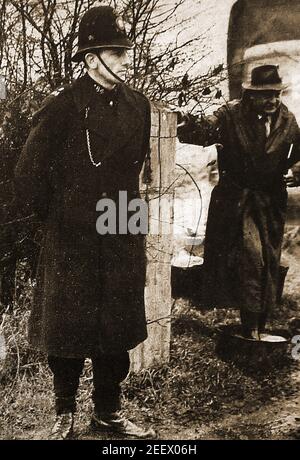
[(83, 92), (253, 133), (117, 125), (281, 123)]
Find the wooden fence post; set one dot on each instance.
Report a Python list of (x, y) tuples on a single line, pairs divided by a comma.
[(159, 242)]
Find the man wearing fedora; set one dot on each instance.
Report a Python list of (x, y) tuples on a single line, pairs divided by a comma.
[(88, 142), (258, 141)]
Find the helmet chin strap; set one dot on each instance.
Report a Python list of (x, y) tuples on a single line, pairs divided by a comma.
[(109, 70)]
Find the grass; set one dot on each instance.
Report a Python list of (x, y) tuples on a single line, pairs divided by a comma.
[(201, 384)]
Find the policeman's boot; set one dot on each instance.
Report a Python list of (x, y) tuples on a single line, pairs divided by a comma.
[(116, 424), (63, 427)]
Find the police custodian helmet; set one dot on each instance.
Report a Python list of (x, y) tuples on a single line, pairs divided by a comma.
[(101, 27)]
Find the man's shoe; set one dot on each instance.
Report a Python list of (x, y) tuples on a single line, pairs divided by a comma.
[(114, 423), (250, 334), (63, 427)]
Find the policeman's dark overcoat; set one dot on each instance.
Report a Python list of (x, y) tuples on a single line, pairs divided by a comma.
[(248, 206), (89, 294)]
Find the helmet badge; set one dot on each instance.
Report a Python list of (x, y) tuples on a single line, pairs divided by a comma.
[(120, 23)]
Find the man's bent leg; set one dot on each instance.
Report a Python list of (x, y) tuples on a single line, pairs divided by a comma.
[(249, 322), (262, 320)]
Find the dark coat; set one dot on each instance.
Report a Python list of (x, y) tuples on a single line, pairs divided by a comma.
[(90, 288), (248, 206)]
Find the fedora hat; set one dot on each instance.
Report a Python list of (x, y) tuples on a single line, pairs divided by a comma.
[(265, 77), (101, 27)]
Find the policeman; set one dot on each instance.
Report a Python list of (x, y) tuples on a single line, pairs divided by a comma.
[(88, 141)]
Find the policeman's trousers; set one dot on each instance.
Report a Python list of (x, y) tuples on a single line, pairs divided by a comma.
[(108, 373)]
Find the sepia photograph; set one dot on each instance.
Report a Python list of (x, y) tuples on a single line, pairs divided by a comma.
[(149, 223)]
